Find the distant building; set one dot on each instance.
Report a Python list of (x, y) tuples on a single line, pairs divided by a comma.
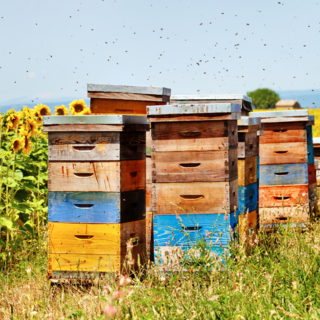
[(288, 104)]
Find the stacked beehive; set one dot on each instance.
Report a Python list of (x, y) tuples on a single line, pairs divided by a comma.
[(130, 100), (316, 151), (96, 192), (194, 175), (287, 177), (249, 130)]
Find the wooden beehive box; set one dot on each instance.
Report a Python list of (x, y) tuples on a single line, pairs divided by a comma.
[(243, 100), (128, 100), (96, 185)]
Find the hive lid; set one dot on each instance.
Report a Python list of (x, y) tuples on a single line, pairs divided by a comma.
[(316, 140), (190, 109), (247, 121), (94, 119), (273, 114), (157, 91), (197, 97)]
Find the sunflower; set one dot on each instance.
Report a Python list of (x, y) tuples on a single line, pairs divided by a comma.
[(31, 128), (0, 119), (86, 112), (61, 111), (43, 110), (13, 121), (35, 114), (77, 107), (17, 144), (26, 144)]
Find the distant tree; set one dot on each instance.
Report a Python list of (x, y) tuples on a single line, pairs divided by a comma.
[(264, 98)]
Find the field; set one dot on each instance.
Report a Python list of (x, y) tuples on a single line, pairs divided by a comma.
[(272, 276)]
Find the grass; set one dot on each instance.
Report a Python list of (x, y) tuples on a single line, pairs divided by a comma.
[(278, 278)]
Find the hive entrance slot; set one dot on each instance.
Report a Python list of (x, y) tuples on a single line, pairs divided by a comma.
[(281, 152), (189, 165), (282, 198), (86, 148), (280, 130), (83, 206), (84, 237), (83, 175), (192, 197), (281, 173), (196, 228)]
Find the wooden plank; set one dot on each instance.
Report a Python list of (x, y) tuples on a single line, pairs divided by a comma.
[(283, 174), (273, 217), (194, 166), (286, 119), (148, 197), (250, 129), (120, 107), (283, 196), (258, 168), (284, 132), (84, 262), (309, 135), (193, 109), (148, 143), (312, 173), (96, 207), (146, 90), (248, 198), (111, 176), (149, 235), (248, 225), (247, 171), (95, 128), (200, 117), (188, 229), (91, 138), (312, 189), (128, 96), (206, 197), (282, 153), (194, 136), (210, 97), (114, 119), (248, 122), (310, 153), (275, 114), (248, 145)]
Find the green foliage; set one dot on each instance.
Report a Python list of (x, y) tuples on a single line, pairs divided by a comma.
[(264, 98)]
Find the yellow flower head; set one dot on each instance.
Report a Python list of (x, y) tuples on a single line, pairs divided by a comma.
[(0, 119), (77, 107), (86, 112), (13, 121), (17, 144), (31, 128), (61, 111), (43, 110), (26, 144)]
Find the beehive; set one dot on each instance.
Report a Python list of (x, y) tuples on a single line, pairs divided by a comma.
[(287, 174), (96, 192), (194, 175)]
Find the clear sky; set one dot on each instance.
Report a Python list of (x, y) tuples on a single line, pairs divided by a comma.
[(52, 49)]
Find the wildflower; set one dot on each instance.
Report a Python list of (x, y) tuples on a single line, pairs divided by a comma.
[(272, 312), (17, 144), (131, 262), (129, 245), (61, 111), (129, 292), (28, 270), (213, 298), (256, 241), (77, 107), (125, 280), (43, 110), (268, 276), (110, 311), (316, 247), (178, 217), (108, 288), (223, 202), (226, 217), (294, 285), (0, 119), (117, 294)]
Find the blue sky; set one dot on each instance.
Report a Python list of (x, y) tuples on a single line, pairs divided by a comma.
[(50, 50)]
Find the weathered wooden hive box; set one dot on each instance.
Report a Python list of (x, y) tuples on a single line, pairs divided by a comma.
[(194, 175), (287, 184), (96, 192), (249, 130), (243, 100), (316, 150)]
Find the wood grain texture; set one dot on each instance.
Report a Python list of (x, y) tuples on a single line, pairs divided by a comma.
[(286, 119), (194, 136), (283, 174), (284, 132), (128, 96), (283, 196), (195, 117), (248, 145), (248, 225), (247, 171), (95, 128), (283, 153), (97, 146), (111, 176), (128, 107), (312, 173), (310, 153), (248, 198), (273, 217), (96, 207), (194, 166), (206, 197), (148, 184), (192, 228), (149, 235)]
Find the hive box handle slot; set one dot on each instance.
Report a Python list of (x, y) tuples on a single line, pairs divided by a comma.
[(282, 198), (84, 237), (195, 228), (281, 152), (83, 206), (133, 174), (81, 149), (282, 218), (280, 130), (189, 165), (189, 134), (192, 197), (83, 175), (281, 173)]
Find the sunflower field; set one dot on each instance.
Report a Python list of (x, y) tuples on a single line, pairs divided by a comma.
[(23, 183)]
